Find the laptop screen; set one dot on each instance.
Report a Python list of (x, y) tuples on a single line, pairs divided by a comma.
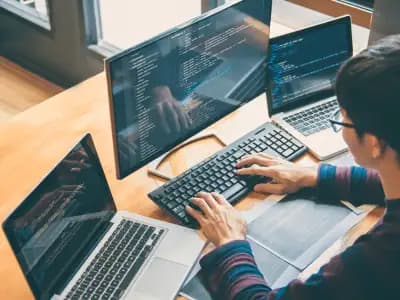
[(303, 65), (57, 225), (168, 89)]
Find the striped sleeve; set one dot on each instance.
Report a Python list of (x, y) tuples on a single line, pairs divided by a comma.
[(231, 274), (354, 184), (237, 276)]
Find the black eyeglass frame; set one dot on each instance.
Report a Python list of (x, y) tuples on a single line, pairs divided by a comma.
[(335, 124), (335, 129)]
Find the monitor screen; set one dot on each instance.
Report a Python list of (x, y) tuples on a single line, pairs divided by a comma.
[(57, 225), (304, 63), (171, 87)]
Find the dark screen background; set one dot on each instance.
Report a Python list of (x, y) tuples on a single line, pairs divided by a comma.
[(306, 63), (171, 88), (55, 226)]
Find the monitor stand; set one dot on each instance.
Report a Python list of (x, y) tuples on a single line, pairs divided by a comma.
[(155, 164)]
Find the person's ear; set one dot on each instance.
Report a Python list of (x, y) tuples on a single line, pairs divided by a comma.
[(377, 146)]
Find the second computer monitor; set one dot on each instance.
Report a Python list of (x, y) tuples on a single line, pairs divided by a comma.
[(171, 87)]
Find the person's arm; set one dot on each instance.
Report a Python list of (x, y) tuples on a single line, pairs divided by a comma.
[(230, 269), (354, 184), (231, 273), (367, 270)]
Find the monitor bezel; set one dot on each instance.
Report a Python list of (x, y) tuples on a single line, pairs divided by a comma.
[(107, 68), (320, 95)]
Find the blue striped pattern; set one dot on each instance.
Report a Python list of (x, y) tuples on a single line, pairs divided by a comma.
[(370, 269)]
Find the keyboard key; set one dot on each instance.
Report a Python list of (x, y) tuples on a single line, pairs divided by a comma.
[(92, 284), (237, 187), (288, 152)]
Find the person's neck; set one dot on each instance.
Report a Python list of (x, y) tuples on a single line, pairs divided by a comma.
[(390, 176)]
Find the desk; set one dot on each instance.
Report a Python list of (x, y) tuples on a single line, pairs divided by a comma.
[(34, 141)]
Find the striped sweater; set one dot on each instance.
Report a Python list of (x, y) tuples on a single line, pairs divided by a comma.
[(369, 269)]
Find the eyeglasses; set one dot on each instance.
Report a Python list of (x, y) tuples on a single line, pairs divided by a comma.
[(337, 122)]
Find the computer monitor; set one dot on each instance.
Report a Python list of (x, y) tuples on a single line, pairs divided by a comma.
[(169, 88), (385, 19)]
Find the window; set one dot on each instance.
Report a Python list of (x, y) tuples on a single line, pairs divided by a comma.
[(360, 10), (365, 4), (83, 32), (59, 52), (120, 25), (140, 20), (35, 11)]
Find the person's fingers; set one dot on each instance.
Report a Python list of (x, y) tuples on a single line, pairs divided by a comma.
[(195, 214), (77, 155), (84, 164), (69, 164), (270, 188), (212, 203), (202, 204), (275, 159), (123, 151), (255, 159), (257, 170), (183, 117), (266, 155), (132, 148), (128, 150), (163, 118), (75, 165), (220, 199), (172, 117)]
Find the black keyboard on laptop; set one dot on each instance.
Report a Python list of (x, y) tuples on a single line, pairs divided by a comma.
[(119, 260), (314, 119), (216, 173)]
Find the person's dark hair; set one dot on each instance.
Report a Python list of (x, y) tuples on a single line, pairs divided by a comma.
[(368, 88)]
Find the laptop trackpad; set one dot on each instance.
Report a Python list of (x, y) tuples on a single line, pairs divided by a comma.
[(160, 281)]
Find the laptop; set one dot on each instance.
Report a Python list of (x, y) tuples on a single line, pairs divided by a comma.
[(71, 243), (301, 83)]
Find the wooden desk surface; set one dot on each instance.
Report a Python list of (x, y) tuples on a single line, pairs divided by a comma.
[(34, 141)]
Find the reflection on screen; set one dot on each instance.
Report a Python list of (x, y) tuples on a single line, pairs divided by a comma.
[(54, 228), (306, 63), (178, 84)]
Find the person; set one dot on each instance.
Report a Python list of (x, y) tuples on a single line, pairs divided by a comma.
[(368, 92)]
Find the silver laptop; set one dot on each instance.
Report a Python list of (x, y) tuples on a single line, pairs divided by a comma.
[(71, 243), (302, 72)]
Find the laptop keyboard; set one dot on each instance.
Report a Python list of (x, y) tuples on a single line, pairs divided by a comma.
[(119, 260), (314, 119), (216, 174)]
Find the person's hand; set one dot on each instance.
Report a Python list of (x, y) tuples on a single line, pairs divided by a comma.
[(76, 161), (72, 166), (168, 111), (286, 176), (128, 149), (219, 221)]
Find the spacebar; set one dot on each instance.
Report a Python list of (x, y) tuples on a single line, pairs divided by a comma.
[(232, 190)]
